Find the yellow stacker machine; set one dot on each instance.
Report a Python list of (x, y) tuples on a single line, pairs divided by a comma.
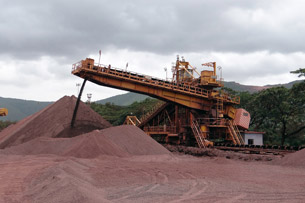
[(194, 109)]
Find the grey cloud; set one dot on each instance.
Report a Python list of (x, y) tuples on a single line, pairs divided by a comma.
[(73, 29)]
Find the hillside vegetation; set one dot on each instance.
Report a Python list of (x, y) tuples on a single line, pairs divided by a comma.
[(116, 114), (4, 124)]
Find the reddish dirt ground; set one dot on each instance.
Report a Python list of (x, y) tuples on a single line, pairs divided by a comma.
[(146, 178)]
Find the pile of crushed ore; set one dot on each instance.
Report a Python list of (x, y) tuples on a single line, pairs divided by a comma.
[(53, 121), (120, 141), (296, 159)]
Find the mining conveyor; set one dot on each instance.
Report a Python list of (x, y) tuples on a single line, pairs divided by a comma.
[(196, 108)]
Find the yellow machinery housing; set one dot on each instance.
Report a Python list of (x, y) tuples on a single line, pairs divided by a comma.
[(3, 112)]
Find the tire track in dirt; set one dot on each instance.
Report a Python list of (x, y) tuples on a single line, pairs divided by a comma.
[(163, 179), (195, 188), (157, 179), (232, 199)]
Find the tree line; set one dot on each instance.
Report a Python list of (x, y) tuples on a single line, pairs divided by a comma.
[(279, 112)]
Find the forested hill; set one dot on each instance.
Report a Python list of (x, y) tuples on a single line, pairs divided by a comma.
[(123, 99), (250, 88), (19, 109)]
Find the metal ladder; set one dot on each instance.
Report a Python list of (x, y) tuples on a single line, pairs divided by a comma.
[(235, 134), (198, 133)]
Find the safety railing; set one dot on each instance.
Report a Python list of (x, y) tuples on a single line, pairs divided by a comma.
[(225, 97), (230, 98), (160, 129), (76, 66), (212, 121)]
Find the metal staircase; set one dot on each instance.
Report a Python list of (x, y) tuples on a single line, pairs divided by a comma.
[(201, 140), (235, 134), (156, 109)]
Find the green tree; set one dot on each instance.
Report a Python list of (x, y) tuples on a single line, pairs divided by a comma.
[(297, 100), (300, 71), (279, 111)]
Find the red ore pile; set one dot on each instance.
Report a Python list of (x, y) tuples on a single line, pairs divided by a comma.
[(120, 141), (53, 121), (296, 159)]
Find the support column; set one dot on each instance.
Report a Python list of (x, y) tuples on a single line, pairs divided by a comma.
[(77, 103), (177, 118)]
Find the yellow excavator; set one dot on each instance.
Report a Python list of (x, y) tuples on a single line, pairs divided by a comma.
[(3, 112)]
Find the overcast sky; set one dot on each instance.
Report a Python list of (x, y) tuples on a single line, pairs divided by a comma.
[(255, 42)]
